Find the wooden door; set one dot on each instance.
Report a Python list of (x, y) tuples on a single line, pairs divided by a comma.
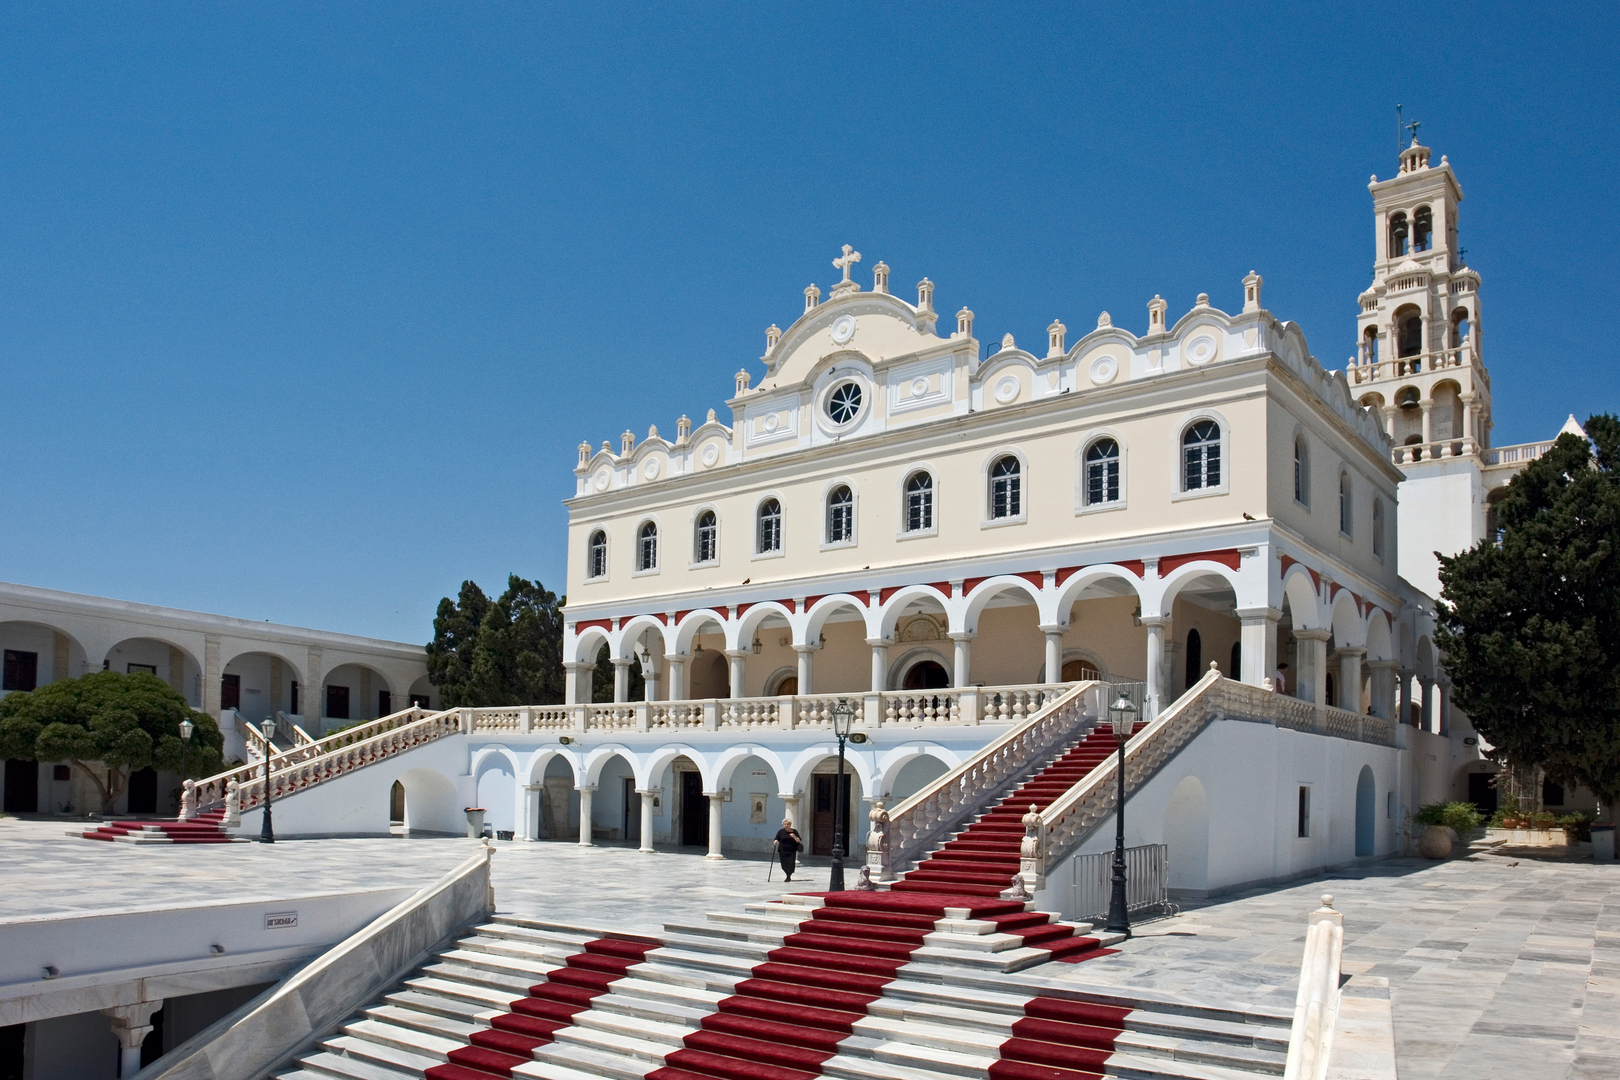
[(823, 818)]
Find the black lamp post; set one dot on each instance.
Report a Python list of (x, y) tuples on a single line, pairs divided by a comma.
[(1122, 715), (843, 718), (267, 832)]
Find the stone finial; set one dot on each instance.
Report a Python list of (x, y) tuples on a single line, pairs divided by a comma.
[(880, 277), (1104, 319), (964, 323), (188, 800), (812, 297), (773, 334), (743, 380), (1007, 342), (1443, 160), (1203, 300), (584, 454), (652, 432), (1157, 307), (925, 295), (1251, 291), (683, 428), (1054, 338), (710, 420), (607, 447), (627, 442), (845, 262)]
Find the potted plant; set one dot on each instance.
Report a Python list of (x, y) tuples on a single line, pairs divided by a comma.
[(1438, 820)]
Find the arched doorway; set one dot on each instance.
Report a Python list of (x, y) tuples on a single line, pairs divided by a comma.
[(496, 789), (1366, 811), (927, 675)]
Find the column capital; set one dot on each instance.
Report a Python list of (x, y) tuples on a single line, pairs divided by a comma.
[(961, 635), (716, 794), (1383, 665), (585, 789), (1156, 622), (623, 661), (738, 654), (649, 791), (578, 665), (1052, 628), (1352, 650), (806, 647), (878, 642), (1270, 614), (1307, 634)]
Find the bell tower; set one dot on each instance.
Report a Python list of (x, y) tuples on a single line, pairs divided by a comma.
[(1418, 363)]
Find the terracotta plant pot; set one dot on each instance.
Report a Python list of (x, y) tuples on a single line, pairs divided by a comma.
[(1435, 843)]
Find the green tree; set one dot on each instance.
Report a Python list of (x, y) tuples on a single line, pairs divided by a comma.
[(502, 652), (107, 724), (1530, 618), (602, 679)]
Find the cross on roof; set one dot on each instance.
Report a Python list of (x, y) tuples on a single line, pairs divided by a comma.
[(1413, 127), (849, 259)]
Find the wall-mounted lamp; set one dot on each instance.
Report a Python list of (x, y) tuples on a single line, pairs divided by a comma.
[(756, 646)]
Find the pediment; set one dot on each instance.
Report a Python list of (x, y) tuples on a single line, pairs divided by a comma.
[(876, 326)]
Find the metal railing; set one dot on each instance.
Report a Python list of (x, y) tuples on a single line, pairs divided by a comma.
[(1147, 882)]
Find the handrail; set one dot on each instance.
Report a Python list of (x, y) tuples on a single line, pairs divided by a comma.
[(346, 758), (899, 835), (1316, 1006), (210, 791)]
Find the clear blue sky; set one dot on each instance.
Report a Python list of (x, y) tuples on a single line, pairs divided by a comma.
[(305, 307)]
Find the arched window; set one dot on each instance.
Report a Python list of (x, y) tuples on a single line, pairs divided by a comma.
[(1459, 327), (1102, 472), (1411, 337), (1195, 657), (1345, 515), (1399, 236), (840, 515), (1422, 229), (596, 555), (647, 546), (1006, 495), (706, 546), (770, 527), (1378, 528), (919, 508), (1302, 472), (1369, 346), (1201, 456)]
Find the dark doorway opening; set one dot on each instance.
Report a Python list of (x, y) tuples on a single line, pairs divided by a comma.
[(632, 811), (396, 804), (1195, 658), (152, 1045), (385, 703), (13, 1040), (337, 702), (823, 820), (927, 675), (21, 670), (230, 691), (143, 791), (1481, 792), (694, 811), (22, 786)]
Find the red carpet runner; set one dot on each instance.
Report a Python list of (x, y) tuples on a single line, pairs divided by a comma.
[(1059, 1039), (789, 1018), (202, 829), (550, 1007)]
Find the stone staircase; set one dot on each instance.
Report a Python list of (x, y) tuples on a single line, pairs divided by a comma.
[(207, 828), (844, 985)]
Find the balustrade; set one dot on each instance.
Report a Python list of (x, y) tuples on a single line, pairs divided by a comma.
[(1361, 370), (750, 713), (676, 714)]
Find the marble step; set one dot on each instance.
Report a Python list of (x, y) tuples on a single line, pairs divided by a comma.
[(509, 955), (667, 1032), (606, 1043), (438, 1005), (430, 1023), (651, 993), (378, 1053), (575, 1062), (482, 996), (326, 1065), (661, 1008), (420, 1043), (512, 984)]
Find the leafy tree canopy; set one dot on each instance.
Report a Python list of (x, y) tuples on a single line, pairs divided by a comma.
[(498, 652), (125, 722), (1530, 619)]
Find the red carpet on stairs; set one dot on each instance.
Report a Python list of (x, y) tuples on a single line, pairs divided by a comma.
[(1058, 1039), (203, 829), (510, 1039)]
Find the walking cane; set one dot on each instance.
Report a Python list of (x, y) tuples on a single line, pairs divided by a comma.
[(772, 864)]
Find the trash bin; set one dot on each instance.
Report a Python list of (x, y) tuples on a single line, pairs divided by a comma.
[(475, 821), (1603, 843)]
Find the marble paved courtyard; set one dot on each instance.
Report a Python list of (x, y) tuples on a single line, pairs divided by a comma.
[(1500, 964)]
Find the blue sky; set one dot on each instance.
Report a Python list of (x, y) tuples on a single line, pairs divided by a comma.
[(305, 307)]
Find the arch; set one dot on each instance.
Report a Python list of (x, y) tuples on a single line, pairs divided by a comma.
[(495, 783), (919, 501), (1186, 834), (1299, 590), (1183, 576), (988, 590), (1407, 323), (1422, 229), (751, 620), (822, 610), (632, 632), (892, 762), (141, 651), (1400, 235), (726, 764), (542, 759), (431, 805), (901, 670), (598, 756), (1369, 345), (587, 643), (1378, 637), (1349, 629), (360, 698), (1460, 327), (803, 765), (705, 535), (647, 553), (690, 624), (652, 768), (1070, 591), (783, 682), (896, 605), (1366, 812)]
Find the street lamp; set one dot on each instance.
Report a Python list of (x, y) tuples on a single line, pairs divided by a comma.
[(843, 718), (267, 832), (1122, 715), (186, 728)]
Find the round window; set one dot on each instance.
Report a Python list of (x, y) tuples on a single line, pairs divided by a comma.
[(844, 403)]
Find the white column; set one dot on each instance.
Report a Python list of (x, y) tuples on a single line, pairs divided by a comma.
[(131, 1024), (806, 667), (880, 664), (212, 670), (677, 677), (1257, 644), (1404, 680), (1350, 679), (578, 676), (530, 802), (1443, 720), (621, 679), (1155, 653), (1054, 653), (585, 794), (738, 658), (1383, 687), (1468, 422), (1428, 703), (649, 676), (647, 797), (963, 660), (1428, 428), (315, 692), (790, 804), (717, 803), (1312, 659)]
